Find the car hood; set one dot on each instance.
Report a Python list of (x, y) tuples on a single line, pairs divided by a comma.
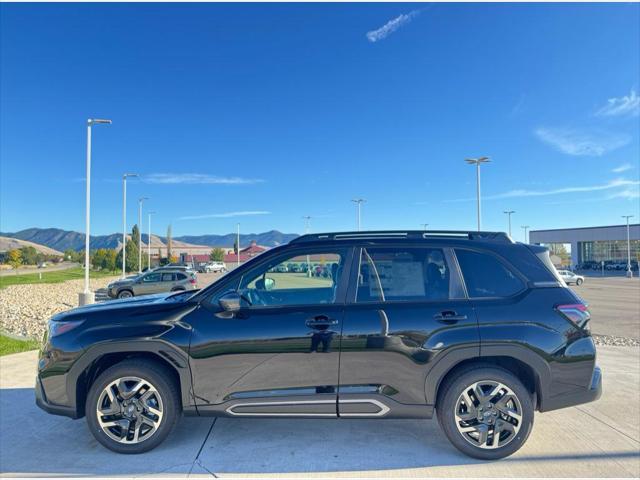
[(122, 304)]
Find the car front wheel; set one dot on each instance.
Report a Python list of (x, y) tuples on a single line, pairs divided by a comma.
[(486, 412), (125, 294), (579, 281), (132, 406)]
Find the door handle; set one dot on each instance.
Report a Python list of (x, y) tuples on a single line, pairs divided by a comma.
[(448, 316), (320, 321)]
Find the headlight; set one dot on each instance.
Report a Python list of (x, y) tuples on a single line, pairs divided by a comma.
[(58, 328)]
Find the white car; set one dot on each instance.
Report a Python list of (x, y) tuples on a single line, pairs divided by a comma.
[(569, 277), (214, 267)]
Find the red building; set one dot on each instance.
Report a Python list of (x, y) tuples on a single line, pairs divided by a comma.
[(245, 254)]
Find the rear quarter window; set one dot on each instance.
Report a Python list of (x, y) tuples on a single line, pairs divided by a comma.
[(486, 276)]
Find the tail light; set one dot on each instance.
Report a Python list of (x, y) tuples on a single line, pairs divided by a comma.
[(577, 313), (193, 281)]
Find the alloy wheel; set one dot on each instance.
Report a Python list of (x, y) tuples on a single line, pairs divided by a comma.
[(488, 414), (129, 410)]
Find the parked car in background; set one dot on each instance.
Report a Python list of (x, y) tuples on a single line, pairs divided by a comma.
[(212, 267), (155, 281), (571, 278)]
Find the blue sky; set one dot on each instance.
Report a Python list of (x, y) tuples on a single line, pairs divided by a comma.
[(261, 114)]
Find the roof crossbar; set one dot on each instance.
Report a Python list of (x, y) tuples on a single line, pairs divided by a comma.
[(407, 234)]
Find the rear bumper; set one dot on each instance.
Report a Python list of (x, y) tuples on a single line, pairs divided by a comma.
[(44, 404), (585, 395)]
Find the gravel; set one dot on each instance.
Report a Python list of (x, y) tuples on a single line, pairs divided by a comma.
[(25, 309), (613, 341)]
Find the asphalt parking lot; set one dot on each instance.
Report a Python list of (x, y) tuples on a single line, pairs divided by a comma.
[(600, 439)]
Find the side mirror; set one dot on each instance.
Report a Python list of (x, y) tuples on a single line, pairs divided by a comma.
[(230, 302)]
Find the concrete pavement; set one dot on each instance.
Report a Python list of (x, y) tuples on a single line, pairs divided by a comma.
[(600, 439)]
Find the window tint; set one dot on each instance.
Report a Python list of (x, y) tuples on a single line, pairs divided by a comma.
[(152, 277), (181, 276), (301, 280), (168, 277), (410, 274), (486, 276)]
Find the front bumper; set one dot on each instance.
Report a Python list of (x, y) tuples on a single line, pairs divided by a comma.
[(44, 404), (577, 397)]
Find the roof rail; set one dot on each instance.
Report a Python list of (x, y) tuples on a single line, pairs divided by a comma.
[(406, 234)]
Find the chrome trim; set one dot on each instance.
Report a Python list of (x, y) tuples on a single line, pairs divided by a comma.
[(384, 409)]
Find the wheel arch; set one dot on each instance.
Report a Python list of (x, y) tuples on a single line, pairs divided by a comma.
[(97, 359), (525, 364)]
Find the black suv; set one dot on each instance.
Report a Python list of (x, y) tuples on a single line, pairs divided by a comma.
[(469, 325)]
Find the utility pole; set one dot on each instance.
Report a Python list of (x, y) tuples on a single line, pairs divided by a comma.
[(124, 221), (238, 243), (307, 221), (359, 202), (424, 226), (525, 227), (509, 213), (140, 201), (87, 297), (477, 162), (629, 271), (149, 240)]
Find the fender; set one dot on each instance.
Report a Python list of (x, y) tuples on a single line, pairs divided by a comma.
[(176, 357), (509, 350)]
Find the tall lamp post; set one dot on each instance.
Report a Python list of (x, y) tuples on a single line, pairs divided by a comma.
[(509, 213), (238, 243), (424, 226), (629, 271), (149, 239), (307, 221), (525, 228), (477, 162), (124, 221), (140, 201), (359, 202), (87, 297)]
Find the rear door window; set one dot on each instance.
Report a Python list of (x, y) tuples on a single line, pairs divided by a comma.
[(486, 276), (168, 277), (404, 274)]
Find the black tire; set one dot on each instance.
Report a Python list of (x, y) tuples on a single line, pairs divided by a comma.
[(178, 289), (579, 282), (163, 382), (448, 396), (125, 294)]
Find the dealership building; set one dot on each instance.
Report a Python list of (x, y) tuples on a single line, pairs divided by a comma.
[(593, 244)]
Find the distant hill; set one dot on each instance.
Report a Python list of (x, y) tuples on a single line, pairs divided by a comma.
[(63, 239), (272, 238), (7, 243)]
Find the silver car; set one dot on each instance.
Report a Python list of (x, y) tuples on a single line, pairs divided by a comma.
[(155, 281), (569, 277)]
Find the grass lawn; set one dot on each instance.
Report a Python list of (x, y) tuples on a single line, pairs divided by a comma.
[(50, 277), (11, 345)]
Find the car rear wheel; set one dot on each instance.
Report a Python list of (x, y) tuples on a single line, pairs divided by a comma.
[(125, 294), (486, 413), (132, 406)]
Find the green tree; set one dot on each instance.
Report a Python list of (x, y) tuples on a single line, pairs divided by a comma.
[(97, 258), (169, 245), (109, 261), (216, 255), (29, 255), (235, 246), (14, 258)]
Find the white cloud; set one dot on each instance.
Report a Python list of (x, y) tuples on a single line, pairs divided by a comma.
[(391, 26), (621, 183), (622, 168), (629, 193), (629, 105), (581, 142), (244, 213), (196, 178)]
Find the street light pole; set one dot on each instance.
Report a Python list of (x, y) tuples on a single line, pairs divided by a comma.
[(238, 243), (149, 240), (424, 226), (140, 201), (629, 271), (509, 212), (359, 202), (525, 227), (87, 296), (307, 220), (124, 221), (477, 162)]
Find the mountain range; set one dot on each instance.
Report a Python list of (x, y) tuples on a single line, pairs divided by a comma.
[(61, 240)]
